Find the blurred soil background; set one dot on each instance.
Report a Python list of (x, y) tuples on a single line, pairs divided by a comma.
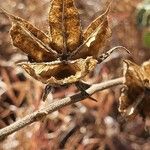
[(86, 125)]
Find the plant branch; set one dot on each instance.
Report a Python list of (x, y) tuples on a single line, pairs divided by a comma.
[(39, 114)]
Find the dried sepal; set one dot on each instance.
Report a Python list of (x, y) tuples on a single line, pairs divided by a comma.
[(95, 38), (58, 72), (65, 26), (135, 94), (30, 40)]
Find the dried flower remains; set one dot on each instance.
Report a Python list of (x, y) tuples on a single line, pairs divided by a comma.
[(135, 97), (67, 53)]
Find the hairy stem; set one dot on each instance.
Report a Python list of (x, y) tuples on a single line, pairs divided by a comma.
[(39, 114)]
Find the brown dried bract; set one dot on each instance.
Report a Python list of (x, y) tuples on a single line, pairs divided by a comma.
[(58, 72), (56, 58), (135, 96)]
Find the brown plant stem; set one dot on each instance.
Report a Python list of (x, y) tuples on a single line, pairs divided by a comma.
[(39, 114)]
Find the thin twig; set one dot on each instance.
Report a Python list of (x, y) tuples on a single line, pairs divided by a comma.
[(39, 114)]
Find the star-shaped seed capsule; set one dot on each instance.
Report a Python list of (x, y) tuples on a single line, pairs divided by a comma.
[(67, 53)]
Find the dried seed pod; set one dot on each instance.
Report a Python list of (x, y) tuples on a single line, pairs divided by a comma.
[(135, 94), (65, 26), (24, 41), (94, 44), (95, 37), (30, 40), (94, 25), (66, 40), (78, 51)]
